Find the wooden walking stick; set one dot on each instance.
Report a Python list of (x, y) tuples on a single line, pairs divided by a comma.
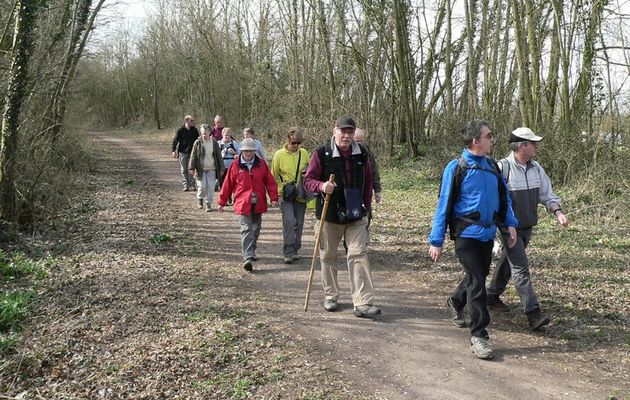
[(322, 220)]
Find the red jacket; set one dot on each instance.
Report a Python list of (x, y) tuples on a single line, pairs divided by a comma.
[(239, 182)]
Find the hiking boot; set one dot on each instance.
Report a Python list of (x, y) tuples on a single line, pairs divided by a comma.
[(247, 265), (366, 310), (457, 315), (186, 188), (200, 203), (537, 319), (330, 305), (495, 302), (208, 207), (296, 257), (480, 347), (288, 260)]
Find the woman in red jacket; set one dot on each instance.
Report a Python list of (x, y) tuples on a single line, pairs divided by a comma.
[(249, 181)]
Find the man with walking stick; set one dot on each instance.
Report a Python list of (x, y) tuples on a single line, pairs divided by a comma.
[(350, 197)]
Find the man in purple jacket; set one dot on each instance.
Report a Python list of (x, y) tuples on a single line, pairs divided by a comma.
[(346, 217)]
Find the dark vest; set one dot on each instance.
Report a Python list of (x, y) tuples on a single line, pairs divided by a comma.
[(336, 166)]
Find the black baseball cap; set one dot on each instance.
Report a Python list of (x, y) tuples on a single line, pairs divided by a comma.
[(345, 122)]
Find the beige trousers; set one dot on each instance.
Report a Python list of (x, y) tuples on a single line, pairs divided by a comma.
[(356, 236)]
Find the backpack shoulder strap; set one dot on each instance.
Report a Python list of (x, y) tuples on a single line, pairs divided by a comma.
[(502, 189), (505, 168), (456, 183)]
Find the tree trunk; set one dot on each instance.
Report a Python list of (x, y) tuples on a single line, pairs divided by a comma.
[(84, 21), (584, 85), (22, 45)]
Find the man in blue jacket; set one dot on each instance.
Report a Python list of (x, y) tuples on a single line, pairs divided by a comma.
[(479, 203)]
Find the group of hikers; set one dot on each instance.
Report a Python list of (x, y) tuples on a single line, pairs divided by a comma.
[(479, 197)]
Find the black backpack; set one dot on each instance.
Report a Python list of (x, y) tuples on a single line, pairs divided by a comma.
[(457, 225)]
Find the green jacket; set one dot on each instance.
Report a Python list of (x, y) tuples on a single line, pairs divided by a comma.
[(284, 165)]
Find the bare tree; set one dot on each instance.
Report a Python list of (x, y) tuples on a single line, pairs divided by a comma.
[(25, 14)]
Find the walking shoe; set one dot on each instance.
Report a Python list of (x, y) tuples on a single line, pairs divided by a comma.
[(296, 257), (330, 305), (457, 315), (200, 203), (480, 347), (537, 319), (208, 208), (288, 260), (366, 310), (186, 188), (496, 303), (248, 266)]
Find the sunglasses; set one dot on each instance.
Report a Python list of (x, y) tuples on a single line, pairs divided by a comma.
[(294, 143)]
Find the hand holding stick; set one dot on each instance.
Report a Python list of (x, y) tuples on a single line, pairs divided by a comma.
[(322, 221)]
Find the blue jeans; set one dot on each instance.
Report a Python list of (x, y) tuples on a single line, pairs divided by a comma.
[(475, 256), (514, 263)]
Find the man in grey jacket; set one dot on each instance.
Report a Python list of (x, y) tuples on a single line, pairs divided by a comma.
[(529, 186)]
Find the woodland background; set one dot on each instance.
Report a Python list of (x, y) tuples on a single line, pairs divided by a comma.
[(87, 241), (411, 72)]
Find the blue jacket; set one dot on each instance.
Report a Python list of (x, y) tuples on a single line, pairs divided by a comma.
[(479, 192)]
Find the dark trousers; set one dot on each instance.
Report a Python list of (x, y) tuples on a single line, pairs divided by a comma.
[(475, 256)]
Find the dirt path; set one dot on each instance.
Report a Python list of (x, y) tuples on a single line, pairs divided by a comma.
[(411, 352)]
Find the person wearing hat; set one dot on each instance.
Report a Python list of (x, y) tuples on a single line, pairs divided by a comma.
[(528, 185), (249, 182), (472, 209), (346, 217)]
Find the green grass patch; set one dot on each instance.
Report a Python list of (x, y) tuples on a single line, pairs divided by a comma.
[(241, 389), (160, 238), (20, 276), (13, 308), (7, 342), (16, 265)]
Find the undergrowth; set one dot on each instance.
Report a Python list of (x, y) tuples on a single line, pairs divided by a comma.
[(19, 276)]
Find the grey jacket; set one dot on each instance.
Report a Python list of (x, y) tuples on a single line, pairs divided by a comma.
[(528, 186)]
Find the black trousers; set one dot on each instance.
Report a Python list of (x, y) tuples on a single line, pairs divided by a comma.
[(475, 256)]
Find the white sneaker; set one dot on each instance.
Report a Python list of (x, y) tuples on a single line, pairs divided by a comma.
[(480, 347)]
